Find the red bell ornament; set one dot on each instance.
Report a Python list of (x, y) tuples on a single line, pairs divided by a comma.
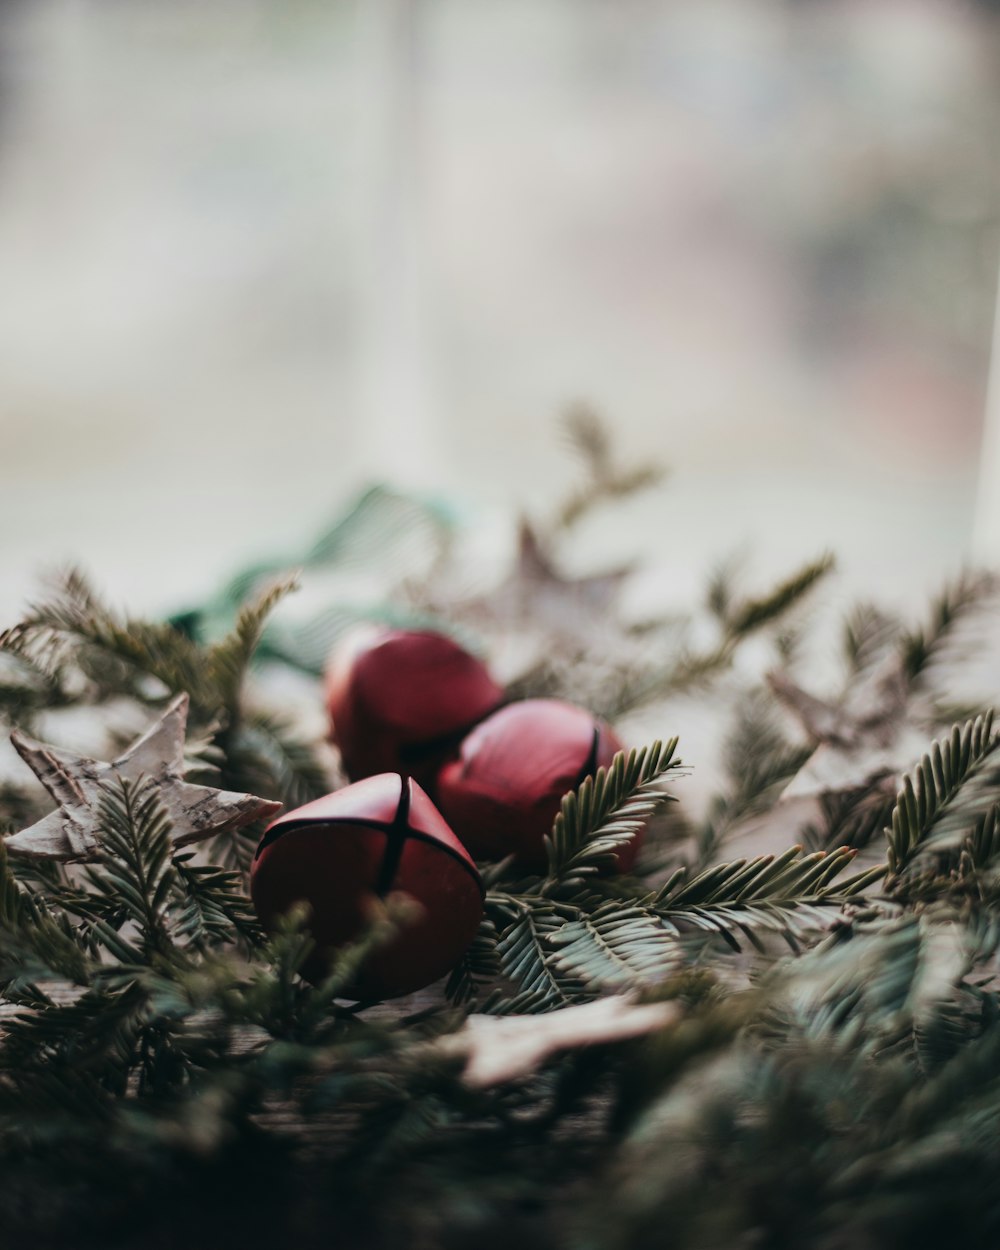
[(401, 700), (337, 853), (503, 792)]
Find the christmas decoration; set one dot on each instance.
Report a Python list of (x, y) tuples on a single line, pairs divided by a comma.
[(340, 852), (73, 831), (576, 609), (400, 700), (509, 1048), (502, 793), (797, 1048)]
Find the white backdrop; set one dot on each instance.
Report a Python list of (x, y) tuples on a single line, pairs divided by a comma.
[(257, 253)]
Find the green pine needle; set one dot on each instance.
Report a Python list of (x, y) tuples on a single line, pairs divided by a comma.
[(607, 811), (954, 784)]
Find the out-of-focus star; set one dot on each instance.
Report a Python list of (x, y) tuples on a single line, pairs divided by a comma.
[(72, 831), (868, 736), (534, 590)]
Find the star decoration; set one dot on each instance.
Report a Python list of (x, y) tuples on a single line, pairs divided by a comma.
[(536, 592), (498, 1049), (870, 735), (71, 832)]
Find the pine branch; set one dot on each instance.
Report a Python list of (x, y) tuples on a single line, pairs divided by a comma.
[(592, 943), (957, 870), (277, 1000), (867, 636), (950, 788), (742, 925), (853, 817), (607, 811), (32, 680), (720, 590), (606, 481), (75, 625), (920, 647), (135, 868), (523, 952), (479, 967), (635, 686), (228, 660), (753, 614), (984, 841), (618, 946), (122, 655), (36, 943), (264, 756), (98, 1034), (757, 754), (758, 759), (691, 669), (862, 990), (216, 910), (789, 875), (790, 894)]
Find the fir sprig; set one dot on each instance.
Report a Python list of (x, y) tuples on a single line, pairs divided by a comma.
[(752, 614), (954, 783), (136, 870), (608, 810), (921, 646), (73, 631)]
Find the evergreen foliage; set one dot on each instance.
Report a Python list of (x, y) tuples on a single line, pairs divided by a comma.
[(831, 1076), (91, 655), (608, 810), (950, 787), (606, 480)]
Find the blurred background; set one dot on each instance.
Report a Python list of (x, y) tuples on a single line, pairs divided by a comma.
[(255, 255)]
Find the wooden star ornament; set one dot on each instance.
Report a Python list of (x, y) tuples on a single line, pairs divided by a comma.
[(72, 831), (534, 591), (868, 737)]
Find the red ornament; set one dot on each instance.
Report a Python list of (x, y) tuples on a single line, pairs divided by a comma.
[(503, 792), (338, 852), (401, 701)]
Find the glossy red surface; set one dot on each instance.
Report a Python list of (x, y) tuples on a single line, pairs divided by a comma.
[(400, 700), (502, 793), (375, 798), (341, 852)]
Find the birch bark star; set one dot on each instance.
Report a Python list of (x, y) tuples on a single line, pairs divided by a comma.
[(76, 782)]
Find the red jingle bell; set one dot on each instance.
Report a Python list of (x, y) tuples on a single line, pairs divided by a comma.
[(503, 792), (401, 700), (337, 853)]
